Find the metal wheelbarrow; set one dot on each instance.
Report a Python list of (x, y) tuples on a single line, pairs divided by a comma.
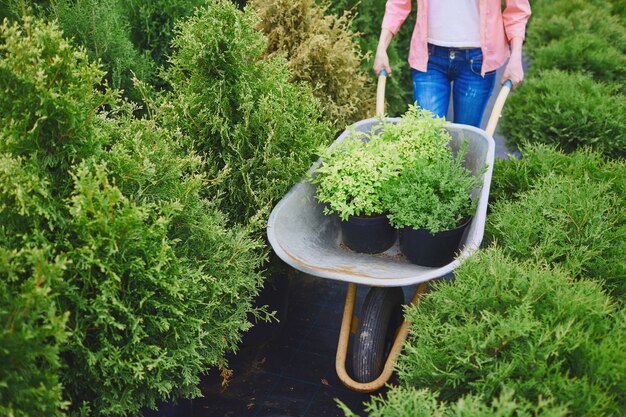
[(310, 241)]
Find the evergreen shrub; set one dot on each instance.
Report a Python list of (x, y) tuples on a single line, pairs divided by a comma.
[(32, 329), (512, 177), (258, 131), (585, 52), (507, 326), (152, 24), (104, 29), (322, 51), (152, 283), (131, 38), (567, 109), (575, 222), (402, 401), (561, 20), (367, 21)]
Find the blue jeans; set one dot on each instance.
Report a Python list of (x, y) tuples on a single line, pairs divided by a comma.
[(456, 71)]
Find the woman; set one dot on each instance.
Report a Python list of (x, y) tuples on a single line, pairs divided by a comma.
[(456, 47)]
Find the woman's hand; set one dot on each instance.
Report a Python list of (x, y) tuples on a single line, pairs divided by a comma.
[(514, 70), (381, 61)]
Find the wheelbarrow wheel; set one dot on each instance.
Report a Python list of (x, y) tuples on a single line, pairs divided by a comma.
[(381, 315)]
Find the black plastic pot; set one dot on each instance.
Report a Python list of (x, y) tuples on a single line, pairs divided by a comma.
[(368, 234), (425, 249)]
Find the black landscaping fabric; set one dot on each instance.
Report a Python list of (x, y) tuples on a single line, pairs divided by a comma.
[(293, 373)]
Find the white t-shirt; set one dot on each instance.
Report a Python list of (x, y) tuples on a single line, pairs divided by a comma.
[(454, 23)]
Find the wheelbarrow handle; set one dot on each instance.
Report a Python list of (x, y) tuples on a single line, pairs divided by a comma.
[(493, 119), (497, 107), (380, 93)]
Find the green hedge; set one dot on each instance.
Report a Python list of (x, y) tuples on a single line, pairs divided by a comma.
[(575, 222), (512, 177), (32, 329), (511, 338), (258, 131), (574, 94), (130, 38), (367, 22), (588, 53), (567, 109), (103, 224), (560, 20), (403, 401)]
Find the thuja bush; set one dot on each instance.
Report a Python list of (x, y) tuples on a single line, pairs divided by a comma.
[(585, 52), (403, 401), (575, 222), (130, 38), (569, 110), (258, 131), (506, 326), (171, 295), (513, 177), (32, 328), (103, 28), (152, 24), (322, 51), (368, 17), (154, 286), (557, 21)]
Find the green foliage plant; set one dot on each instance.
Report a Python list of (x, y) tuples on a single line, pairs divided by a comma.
[(570, 110), (585, 52), (141, 285), (513, 177), (418, 133), (352, 173), (322, 50), (574, 222), (350, 179), (32, 330), (515, 326), (405, 401), (103, 28), (366, 21), (258, 131), (434, 195), (557, 21)]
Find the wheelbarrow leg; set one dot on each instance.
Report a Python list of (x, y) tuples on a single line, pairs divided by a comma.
[(344, 336)]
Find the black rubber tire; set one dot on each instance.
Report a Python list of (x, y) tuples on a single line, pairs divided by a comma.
[(380, 317)]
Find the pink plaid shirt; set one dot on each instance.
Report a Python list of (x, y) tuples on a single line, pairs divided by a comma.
[(497, 28)]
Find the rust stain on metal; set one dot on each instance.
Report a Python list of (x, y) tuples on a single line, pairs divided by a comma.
[(348, 270)]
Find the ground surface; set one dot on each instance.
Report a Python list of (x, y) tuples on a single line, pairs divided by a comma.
[(293, 374)]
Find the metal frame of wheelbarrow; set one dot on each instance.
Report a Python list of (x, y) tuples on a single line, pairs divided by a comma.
[(287, 228)]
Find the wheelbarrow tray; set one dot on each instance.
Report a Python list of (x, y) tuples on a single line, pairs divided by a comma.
[(310, 241)]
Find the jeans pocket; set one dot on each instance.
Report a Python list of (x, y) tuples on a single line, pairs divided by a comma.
[(476, 65)]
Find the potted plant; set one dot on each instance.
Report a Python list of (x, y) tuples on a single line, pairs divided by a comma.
[(430, 202), (353, 171), (348, 183)]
